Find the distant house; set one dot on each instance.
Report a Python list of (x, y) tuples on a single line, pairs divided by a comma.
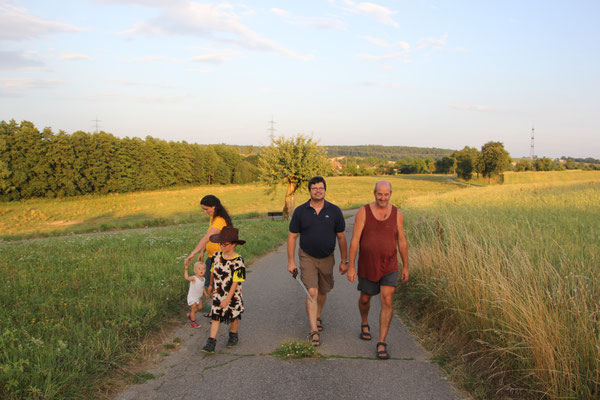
[(335, 164)]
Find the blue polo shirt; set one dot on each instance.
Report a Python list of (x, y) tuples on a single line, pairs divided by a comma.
[(318, 232)]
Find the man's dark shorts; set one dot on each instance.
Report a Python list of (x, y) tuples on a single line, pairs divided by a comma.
[(373, 288)]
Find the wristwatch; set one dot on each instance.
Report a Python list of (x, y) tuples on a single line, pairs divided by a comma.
[(346, 262)]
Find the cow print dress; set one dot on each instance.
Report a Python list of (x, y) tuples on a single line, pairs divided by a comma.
[(225, 273)]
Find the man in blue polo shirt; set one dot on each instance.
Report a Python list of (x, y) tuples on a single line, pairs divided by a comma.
[(319, 223)]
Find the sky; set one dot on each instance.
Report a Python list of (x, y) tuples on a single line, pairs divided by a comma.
[(426, 73)]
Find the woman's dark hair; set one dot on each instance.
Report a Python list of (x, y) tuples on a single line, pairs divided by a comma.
[(213, 201)]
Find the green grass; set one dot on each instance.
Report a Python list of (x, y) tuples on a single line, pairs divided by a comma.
[(52, 217), (294, 349), (75, 308), (514, 270)]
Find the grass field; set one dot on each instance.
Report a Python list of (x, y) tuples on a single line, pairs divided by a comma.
[(47, 217), (512, 267), (513, 270), (550, 176), (75, 308)]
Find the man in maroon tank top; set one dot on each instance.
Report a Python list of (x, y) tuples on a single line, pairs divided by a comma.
[(379, 233)]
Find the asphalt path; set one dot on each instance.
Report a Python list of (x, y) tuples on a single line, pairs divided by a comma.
[(274, 313)]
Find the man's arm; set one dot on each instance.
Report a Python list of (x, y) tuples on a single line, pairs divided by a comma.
[(291, 251), (343, 243), (402, 247), (359, 224)]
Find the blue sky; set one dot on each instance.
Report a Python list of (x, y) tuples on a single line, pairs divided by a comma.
[(411, 73)]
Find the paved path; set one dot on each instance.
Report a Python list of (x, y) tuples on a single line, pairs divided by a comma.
[(274, 313)]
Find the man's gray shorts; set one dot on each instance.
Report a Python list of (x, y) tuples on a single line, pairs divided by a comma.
[(373, 288)]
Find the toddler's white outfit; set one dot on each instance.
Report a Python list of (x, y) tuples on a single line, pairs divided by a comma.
[(196, 291)]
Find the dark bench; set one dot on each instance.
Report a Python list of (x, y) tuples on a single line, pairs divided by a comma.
[(275, 214)]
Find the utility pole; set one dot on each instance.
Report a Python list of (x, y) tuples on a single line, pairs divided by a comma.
[(96, 121), (272, 129), (531, 148)]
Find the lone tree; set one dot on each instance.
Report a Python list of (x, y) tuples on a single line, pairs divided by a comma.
[(291, 162), (494, 159), (466, 162)]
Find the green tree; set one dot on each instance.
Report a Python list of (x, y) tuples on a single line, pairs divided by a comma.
[(291, 162), (445, 165), (465, 162), (524, 164), (543, 164), (494, 159)]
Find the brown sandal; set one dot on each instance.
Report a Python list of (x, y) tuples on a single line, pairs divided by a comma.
[(315, 342), (319, 324), (365, 335)]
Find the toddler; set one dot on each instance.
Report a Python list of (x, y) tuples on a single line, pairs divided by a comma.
[(196, 291)]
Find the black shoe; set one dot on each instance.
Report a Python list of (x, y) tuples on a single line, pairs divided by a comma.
[(209, 348), (233, 340)]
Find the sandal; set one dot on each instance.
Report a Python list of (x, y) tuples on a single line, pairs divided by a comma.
[(194, 324), (382, 354), (319, 324), (315, 342), (365, 335)]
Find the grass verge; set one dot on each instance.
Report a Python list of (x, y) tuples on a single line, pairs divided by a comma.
[(76, 308), (505, 287)]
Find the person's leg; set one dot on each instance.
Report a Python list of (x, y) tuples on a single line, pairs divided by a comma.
[(326, 282), (312, 308), (385, 316), (211, 342), (214, 329), (193, 312), (364, 304), (235, 324), (321, 297)]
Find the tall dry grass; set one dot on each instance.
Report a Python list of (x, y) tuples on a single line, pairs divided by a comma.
[(516, 269)]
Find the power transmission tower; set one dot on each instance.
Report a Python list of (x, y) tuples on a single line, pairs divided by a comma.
[(272, 129), (532, 147), (96, 121)]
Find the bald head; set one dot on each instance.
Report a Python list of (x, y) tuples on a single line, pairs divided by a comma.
[(382, 185)]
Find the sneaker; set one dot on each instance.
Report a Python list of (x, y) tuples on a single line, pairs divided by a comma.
[(194, 324), (209, 348), (233, 340)]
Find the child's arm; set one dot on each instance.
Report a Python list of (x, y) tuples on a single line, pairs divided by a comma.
[(227, 300), (186, 276), (205, 292)]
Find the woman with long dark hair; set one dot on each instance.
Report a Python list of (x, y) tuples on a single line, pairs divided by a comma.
[(219, 218)]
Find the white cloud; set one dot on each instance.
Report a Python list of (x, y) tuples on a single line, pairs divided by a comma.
[(18, 25), (140, 84), (470, 107), (380, 13), (74, 56), (17, 87), (219, 57), (213, 21), (432, 43), (378, 42), (315, 22), (280, 12), (156, 59), (390, 56), (10, 60), (387, 85)]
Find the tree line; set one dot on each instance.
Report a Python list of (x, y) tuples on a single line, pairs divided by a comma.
[(392, 153), (36, 163), (491, 160)]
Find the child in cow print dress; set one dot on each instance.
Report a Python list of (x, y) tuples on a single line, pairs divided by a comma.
[(227, 274)]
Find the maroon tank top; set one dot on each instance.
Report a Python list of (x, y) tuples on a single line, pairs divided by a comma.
[(377, 255)]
